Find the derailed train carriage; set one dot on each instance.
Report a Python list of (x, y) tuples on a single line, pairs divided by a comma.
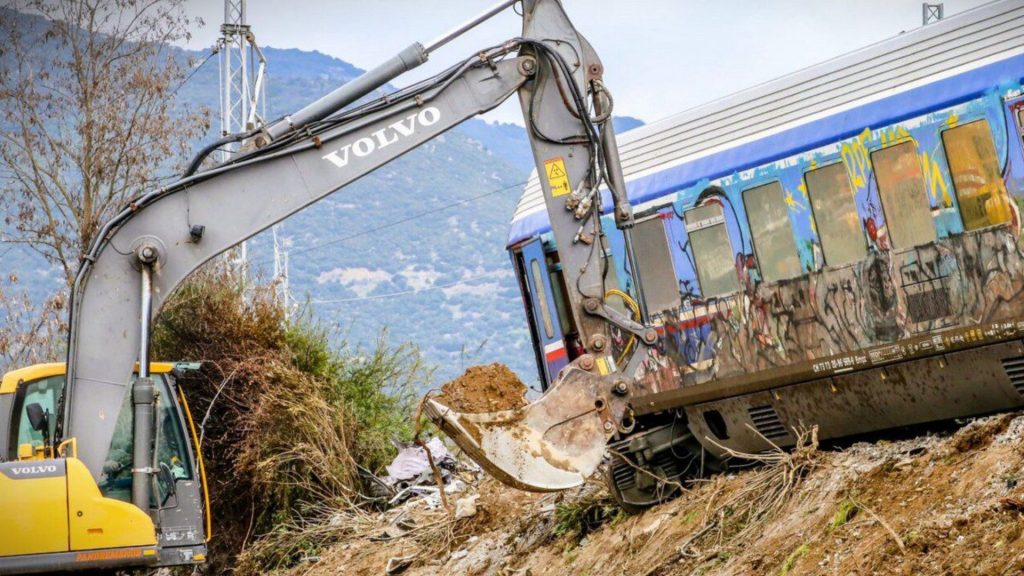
[(840, 247)]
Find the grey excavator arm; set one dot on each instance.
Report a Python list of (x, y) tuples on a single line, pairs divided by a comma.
[(167, 234)]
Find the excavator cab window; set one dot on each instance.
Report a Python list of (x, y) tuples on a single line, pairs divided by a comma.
[(44, 392), (116, 480), (170, 446), (171, 449)]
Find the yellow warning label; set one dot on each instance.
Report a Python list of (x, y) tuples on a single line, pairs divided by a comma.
[(557, 177)]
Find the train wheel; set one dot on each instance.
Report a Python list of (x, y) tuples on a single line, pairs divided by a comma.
[(652, 467)]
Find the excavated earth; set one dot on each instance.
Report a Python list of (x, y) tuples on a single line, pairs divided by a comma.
[(488, 388), (944, 503)]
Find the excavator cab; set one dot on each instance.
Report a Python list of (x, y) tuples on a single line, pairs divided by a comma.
[(64, 518)]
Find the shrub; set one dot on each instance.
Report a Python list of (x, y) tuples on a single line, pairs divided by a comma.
[(578, 518), (285, 419)]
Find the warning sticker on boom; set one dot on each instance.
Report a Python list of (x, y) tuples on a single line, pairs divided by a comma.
[(557, 177)]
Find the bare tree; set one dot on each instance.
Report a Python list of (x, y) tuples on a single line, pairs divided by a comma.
[(87, 115), (30, 332)]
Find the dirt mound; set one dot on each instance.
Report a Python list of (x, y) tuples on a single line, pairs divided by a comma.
[(488, 388)]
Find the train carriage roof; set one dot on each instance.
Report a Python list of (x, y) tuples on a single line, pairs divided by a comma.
[(925, 69)]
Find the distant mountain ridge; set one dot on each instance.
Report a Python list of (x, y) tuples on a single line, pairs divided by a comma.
[(442, 280)]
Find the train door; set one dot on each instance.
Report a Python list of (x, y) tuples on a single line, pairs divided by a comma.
[(1013, 170), (542, 310)]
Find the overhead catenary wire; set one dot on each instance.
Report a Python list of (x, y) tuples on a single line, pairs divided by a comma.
[(192, 73), (393, 223)]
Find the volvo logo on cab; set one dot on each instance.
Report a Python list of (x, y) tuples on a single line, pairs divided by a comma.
[(34, 470), (19, 470), (385, 136)]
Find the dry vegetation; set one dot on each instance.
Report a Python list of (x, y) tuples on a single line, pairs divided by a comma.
[(946, 503), (30, 332), (90, 122), (289, 424)]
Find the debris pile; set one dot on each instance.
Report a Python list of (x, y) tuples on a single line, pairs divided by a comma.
[(410, 474), (946, 502), (489, 388)]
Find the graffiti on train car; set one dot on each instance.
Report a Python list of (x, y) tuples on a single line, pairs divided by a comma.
[(824, 316)]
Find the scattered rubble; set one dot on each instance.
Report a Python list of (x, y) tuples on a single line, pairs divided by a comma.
[(411, 465), (410, 475), (942, 503)]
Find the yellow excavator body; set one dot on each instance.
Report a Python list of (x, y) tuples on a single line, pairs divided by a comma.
[(9, 382), (53, 514), (33, 510)]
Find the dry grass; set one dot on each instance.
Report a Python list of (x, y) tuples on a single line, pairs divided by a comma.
[(827, 512), (423, 533), (737, 517), (593, 507), (287, 421)]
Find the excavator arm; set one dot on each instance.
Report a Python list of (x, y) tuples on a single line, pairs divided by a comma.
[(143, 254)]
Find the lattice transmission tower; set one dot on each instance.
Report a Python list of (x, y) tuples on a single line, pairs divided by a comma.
[(242, 75), (931, 13), (243, 103)]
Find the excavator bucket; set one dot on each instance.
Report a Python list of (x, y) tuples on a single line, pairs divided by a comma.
[(552, 444)]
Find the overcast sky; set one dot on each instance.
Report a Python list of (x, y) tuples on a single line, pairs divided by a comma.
[(660, 56)]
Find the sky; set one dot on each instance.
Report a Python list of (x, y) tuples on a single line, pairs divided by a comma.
[(660, 56)]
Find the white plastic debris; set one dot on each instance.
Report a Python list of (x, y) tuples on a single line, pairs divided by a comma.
[(411, 462), (454, 487), (466, 507)]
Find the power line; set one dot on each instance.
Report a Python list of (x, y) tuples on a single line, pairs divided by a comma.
[(193, 73), (403, 292), (394, 223)]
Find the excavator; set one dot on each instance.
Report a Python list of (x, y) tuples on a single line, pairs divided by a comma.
[(101, 466)]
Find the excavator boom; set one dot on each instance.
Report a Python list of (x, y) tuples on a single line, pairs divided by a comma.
[(140, 257), (163, 236)]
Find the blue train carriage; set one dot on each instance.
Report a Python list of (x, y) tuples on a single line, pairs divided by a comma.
[(840, 247)]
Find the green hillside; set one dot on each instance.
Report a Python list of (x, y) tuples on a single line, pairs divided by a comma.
[(440, 280)]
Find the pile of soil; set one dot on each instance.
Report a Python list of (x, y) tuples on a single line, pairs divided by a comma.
[(487, 388)]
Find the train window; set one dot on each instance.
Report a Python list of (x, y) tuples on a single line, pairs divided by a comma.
[(657, 274), (908, 214), (971, 155), (557, 282), (772, 232), (712, 251), (542, 298), (835, 214)]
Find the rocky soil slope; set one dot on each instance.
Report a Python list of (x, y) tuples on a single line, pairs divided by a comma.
[(947, 502)]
